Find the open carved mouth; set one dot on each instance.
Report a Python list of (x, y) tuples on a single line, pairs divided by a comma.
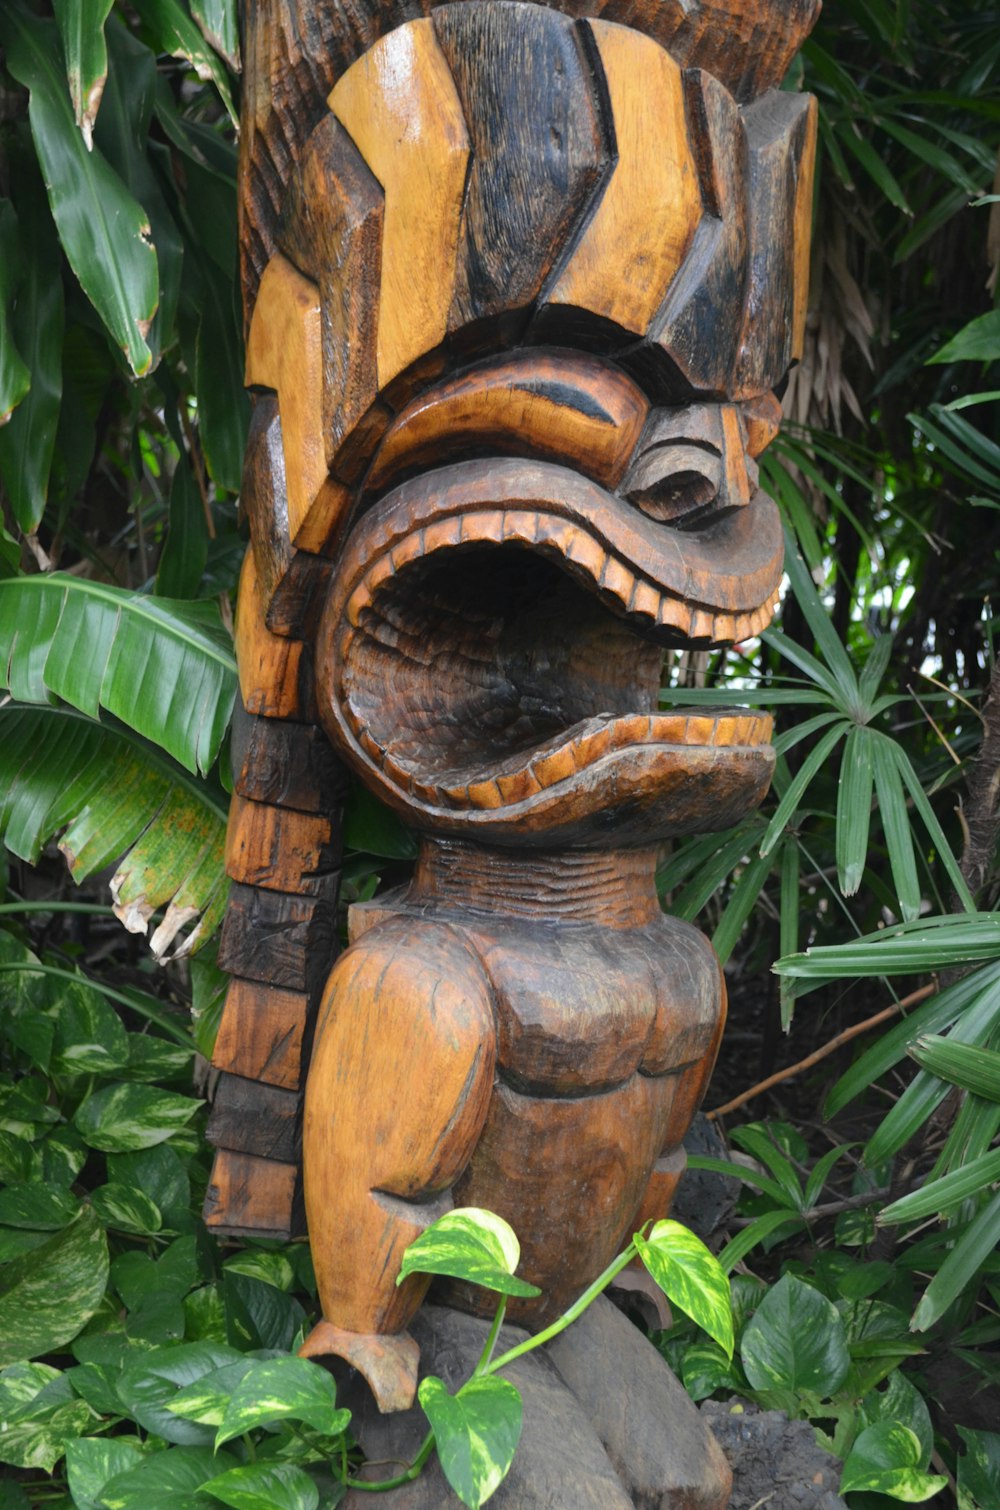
[(492, 646)]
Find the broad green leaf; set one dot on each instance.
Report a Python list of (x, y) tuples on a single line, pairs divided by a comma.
[(185, 551), (795, 1342), (126, 1209), (273, 1268), (160, 1172), (896, 826), (174, 32), (104, 232), (902, 1403), (92, 1462), (469, 1244), (81, 26), (122, 1118), (207, 1399), (854, 805), (40, 1414), (277, 1389), (885, 1460), (258, 1315), (371, 827), (218, 22), (166, 669), (28, 438), (33, 1205), (706, 1368), (979, 341), (89, 1038), (760, 1228), (691, 1277), (15, 378), (979, 1469), (476, 1433), (164, 1480), (973, 1067), (962, 1266), (47, 1296), (742, 901), (223, 406), (148, 1385), (155, 1059), (265, 1486)]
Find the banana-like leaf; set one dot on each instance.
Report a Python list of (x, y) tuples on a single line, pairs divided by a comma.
[(110, 798), (104, 232), (81, 25), (219, 26), (174, 32), (166, 669), (15, 379)]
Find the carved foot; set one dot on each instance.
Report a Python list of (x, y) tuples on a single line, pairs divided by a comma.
[(387, 1364), (606, 1424)]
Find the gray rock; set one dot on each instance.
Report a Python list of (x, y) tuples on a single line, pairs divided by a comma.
[(776, 1462)]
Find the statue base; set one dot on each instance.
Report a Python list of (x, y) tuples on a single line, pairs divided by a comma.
[(606, 1424)]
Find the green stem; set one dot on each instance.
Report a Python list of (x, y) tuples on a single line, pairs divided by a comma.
[(568, 1317), (161, 1019), (491, 1341), (104, 912), (414, 1471)]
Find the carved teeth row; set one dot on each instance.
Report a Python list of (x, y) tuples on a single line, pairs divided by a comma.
[(553, 766), (612, 578)]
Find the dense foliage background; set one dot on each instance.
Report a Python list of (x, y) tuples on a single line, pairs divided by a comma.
[(871, 870)]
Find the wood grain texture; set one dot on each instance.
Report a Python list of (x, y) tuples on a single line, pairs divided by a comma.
[(632, 246), (283, 940), (261, 1034), (250, 1196), (563, 407), (400, 107), (275, 676), (802, 231), (541, 147), (781, 136), (331, 228), (251, 1117), (700, 324), (279, 848), (399, 1081), (284, 353), (290, 765)]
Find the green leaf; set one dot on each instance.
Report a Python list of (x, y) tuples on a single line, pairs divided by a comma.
[(40, 1415), (476, 1433), (795, 1342), (962, 1266), (175, 33), (122, 1118), (928, 943), (979, 1468), (813, 763), (185, 549), (258, 1315), (217, 19), (979, 341), (691, 1277), (28, 438), (265, 1486), (89, 1038), (164, 1480), (33, 1205), (854, 803), (81, 26), (706, 1368), (896, 824), (207, 1399), (92, 1462), (970, 1066), (165, 669), (103, 231), (47, 1296), (277, 1389), (148, 1386), (15, 378), (469, 1244), (223, 405), (902, 1403), (884, 1460), (126, 1209)]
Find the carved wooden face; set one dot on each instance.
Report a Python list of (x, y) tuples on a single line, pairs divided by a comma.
[(536, 285)]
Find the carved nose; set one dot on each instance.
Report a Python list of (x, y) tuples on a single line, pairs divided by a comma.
[(692, 465)]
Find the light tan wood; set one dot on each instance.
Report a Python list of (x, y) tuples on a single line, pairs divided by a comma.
[(566, 407), (802, 231), (279, 848), (270, 667), (761, 421), (260, 1035), (636, 239), (401, 109), (284, 352), (250, 1194), (388, 1364), (399, 1083)]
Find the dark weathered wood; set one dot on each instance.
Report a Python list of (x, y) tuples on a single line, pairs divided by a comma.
[(251, 1117), (250, 1196), (540, 147), (281, 849), (261, 1034), (287, 941), (289, 765)]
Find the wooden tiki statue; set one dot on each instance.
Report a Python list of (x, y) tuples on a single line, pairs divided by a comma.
[(520, 282)]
